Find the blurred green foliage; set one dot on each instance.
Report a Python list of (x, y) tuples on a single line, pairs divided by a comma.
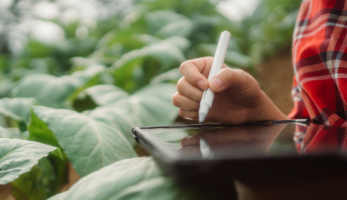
[(152, 37), (142, 45)]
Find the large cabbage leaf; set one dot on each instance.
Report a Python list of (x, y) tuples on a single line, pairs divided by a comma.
[(137, 178), (19, 156), (88, 143)]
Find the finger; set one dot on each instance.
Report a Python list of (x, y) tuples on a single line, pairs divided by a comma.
[(189, 91), (205, 65), (230, 78), (184, 103), (192, 71), (190, 141), (188, 114), (191, 150)]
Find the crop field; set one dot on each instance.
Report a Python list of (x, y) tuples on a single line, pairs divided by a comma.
[(68, 106)]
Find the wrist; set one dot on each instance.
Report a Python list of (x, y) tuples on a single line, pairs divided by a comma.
[(265, 110)]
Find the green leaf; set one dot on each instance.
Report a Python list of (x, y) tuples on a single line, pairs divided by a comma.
[(138, 178), (120, 118), (13, 133), (42, 181), (87, 78), (79, 63), (152, 105), (172, 76), (159, 19), (6, 86), (38, 131), (88, 143), (181, 28), (124, 68), (121, 37), (135, 68), (54, 91), (104, 95), (148, 39), (17, 109), (4, 133), (46, 178), (48, 90), (125, 116), (238, 60), (163, 51), (179, 42), (19, 156)]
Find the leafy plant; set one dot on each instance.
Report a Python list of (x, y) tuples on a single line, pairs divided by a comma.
[(137, 178), (81, 97), (18, 156), (90, 140), (88, 143)]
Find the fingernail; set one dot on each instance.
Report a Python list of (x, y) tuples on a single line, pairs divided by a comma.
[(216, 83), (202, 85)]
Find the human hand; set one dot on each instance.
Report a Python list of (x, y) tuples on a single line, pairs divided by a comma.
[(238, 97)]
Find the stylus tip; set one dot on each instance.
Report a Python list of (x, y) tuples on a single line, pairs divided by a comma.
[(202, 117)]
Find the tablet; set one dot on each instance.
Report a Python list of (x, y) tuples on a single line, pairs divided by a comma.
[(263, 152)]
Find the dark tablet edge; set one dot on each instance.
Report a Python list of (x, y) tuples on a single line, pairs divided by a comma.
[(304, 122)]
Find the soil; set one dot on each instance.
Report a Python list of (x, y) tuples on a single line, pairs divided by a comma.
[(275, 77), (6, 192), (73, 177)]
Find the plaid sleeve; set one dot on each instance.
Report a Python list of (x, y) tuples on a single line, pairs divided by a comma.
[(319, 58), (317, 138)]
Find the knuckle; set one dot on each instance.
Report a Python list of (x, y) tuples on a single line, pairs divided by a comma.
[(228, 70), (240, 72), (225, 74), (209, 58), (229, 73)]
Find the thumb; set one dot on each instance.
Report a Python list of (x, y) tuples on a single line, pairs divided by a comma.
[(230, 78)]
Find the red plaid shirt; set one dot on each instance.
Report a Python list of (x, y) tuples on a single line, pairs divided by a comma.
[(317, 138), (319, 58)]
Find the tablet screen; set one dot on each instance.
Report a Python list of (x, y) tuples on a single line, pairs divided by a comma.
[(231, 141), (247, 141)]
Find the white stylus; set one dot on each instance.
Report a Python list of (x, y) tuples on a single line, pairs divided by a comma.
[(218, 59)]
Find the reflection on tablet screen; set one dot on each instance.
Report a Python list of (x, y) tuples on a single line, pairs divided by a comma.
[(251, 141)]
